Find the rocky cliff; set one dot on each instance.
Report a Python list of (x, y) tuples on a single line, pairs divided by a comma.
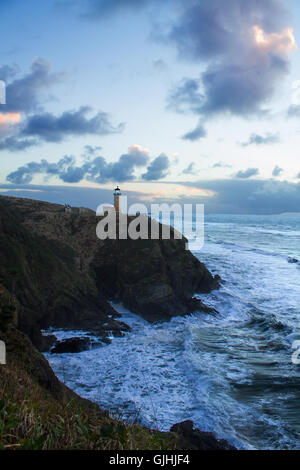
[(62, 275), (38, 412), (55, 272)]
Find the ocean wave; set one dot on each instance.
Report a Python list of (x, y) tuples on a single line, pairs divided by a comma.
[(244, 248), (232, 373)]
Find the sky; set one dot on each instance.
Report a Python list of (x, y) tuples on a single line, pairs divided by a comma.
[(178, 101)]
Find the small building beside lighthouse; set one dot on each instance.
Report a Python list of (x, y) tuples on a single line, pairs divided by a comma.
[(117, 194)]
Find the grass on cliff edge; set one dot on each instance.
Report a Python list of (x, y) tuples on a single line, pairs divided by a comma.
[(31, 420), (38, 412)]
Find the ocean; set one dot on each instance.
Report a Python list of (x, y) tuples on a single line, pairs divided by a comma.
[(231, 373)]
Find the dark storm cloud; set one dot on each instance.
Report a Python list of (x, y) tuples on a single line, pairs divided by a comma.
[(277, 171), (244, 174), (198, 133), (96, 170), (157, 169), (51, 128), (233, 88), (249, 196), (245, 46), (256, 139), (236, 88), (241, 46), (214, 28)]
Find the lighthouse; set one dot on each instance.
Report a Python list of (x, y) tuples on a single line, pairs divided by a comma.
[(117, 194)]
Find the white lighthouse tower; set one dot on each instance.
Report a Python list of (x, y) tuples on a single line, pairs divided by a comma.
[(117, 194)]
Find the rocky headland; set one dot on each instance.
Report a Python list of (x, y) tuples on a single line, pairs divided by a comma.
[(63, 276), (55, 272)]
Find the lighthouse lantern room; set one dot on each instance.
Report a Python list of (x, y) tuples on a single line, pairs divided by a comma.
[(117, 194)]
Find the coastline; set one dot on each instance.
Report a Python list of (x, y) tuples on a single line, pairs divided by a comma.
[(64, 243)]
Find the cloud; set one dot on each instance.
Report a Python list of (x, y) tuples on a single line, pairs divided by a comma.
[(221, 165), (95, 10), (23, 97), (247, 173), (51, 128), (90, 150), (250, 196), (242, 48), (229, 196), (210, 28), (9, 123), (186, 97), (283, 42), (23, 94), (230, 88), (8, 71), (160, 65), (24, 123), (245, 46), (277, 171), (9, 118), (46, 127), (256, 139), (96, 169), (198, 133), (157, 169), (293, 111), (190, 169), (13, 144), (123, 170), (98, 10)]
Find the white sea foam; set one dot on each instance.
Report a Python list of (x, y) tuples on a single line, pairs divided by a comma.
[(231, 373)]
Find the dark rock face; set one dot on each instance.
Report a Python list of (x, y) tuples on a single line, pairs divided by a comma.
[(194, 439), (63, 276), (154, 278), (21, 353), (73, 345), (46, 342)]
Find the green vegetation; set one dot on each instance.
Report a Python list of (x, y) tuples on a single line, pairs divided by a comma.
[(33, 421), (39, 412)]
